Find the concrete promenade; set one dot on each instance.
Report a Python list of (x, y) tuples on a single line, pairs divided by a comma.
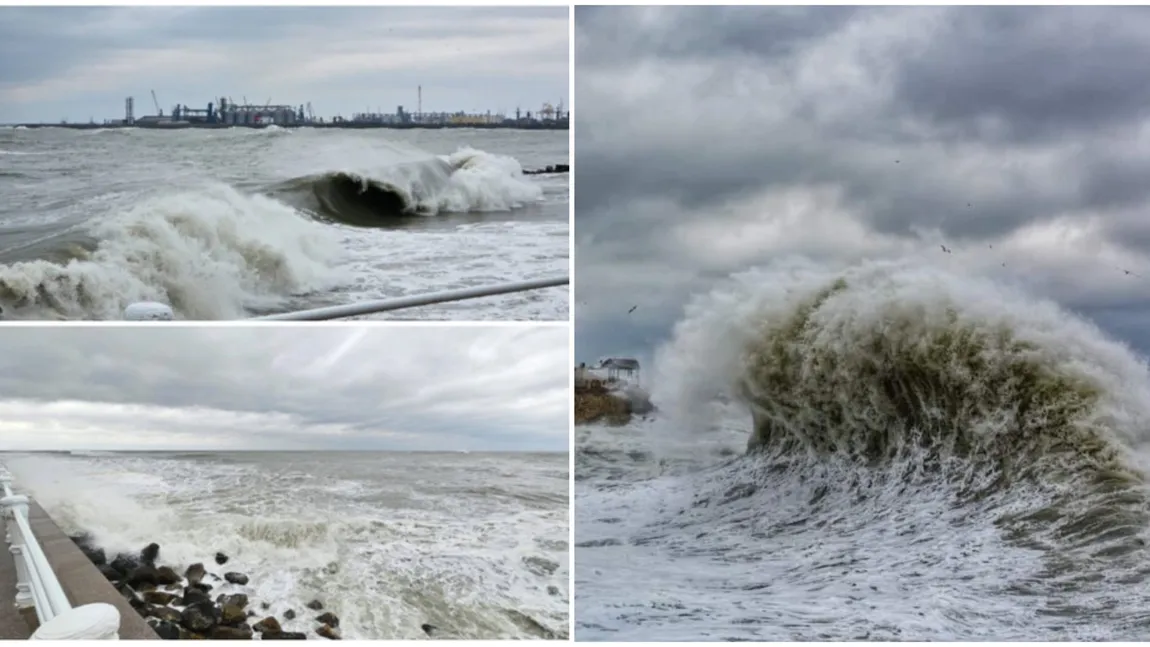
[(81, 581)]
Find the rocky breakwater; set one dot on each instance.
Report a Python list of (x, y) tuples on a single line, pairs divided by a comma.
[(179, 604), (549, 169), (612, 403)]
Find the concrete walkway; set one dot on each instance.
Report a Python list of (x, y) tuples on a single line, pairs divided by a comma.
[(81, 581)]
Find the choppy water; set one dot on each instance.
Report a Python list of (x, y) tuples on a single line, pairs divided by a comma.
[(895, 452), (225, 224), (470, 543)]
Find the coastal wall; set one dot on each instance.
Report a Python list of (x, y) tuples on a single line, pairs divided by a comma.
[(600, 401), (81, 581)]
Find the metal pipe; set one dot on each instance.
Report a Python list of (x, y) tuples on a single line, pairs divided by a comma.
[(384, 305), (42, 571)]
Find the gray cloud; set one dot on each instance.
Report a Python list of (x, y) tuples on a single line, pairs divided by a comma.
[(80, 62), (711, 140), (326, 387)]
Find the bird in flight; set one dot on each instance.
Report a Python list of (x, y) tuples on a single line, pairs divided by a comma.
[(632, 309), (1129, 273), (944, 249)]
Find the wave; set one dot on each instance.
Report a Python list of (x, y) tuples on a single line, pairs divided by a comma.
[(212, 253), (888, 360), (466, 181)]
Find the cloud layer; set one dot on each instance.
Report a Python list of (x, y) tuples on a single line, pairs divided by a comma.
[(80, 62), (322, 387), (714, 139)]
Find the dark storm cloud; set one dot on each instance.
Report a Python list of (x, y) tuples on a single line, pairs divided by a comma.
[(317, 387), (715, 139), (84, 60)]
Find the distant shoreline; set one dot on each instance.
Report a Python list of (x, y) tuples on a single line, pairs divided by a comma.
[(341, 125)]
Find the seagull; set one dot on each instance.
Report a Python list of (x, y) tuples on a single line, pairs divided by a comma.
[(1129, 273), (632, 309), (944, 249)]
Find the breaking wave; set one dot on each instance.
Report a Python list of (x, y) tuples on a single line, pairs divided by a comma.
[(466, 181), (211, 254)]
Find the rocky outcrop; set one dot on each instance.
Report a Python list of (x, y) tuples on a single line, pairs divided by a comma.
[(554, 168), (595, 403)]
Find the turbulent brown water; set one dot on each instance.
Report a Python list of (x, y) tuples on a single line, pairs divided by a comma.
[(892, 452), (225, 224)]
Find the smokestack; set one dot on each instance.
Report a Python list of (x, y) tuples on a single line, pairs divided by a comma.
[(419, 103)]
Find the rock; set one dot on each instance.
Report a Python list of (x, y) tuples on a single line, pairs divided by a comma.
[(540, 565), (315, 605), (125, 564), (285, 635), (166, 614), (144, 587), (268, 625), (221, 559), (199, 617), (331, 633), (265, 605), (289, 614), (142, 575), (195, 573), (232, 615), (427, 629), (203, 586), (236, 578), (167, 630), (109, 573), (192, 595), (531, 625), (329, 618), (150, 553), (594, 402), (159, 597), (553, 590), (127, 591), (221, 632), (238, 599), (95, 555), (165, 576)]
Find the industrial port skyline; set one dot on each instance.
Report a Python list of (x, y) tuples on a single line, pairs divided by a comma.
[(225, 112)]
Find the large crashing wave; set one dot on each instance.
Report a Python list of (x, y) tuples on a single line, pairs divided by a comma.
[(466, 181), (886, 361), (212, 254)]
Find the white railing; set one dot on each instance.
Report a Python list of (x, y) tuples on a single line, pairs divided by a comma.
[(150, 311), (38, 587)]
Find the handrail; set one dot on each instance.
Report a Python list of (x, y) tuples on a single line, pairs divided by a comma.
[(150, 311), (37, 585)]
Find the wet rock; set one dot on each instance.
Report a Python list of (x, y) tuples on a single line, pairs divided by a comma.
[(199, 617), (167, 630), (127, 591), (329, 632), (203, 586), (329, 618), (192, 595), (221, 559), (125, 564), (142, 575), (221, 632), (285, 635), (530, 625), (232, 616), (236, 578), (265, 605), (315, 605), (166, 576), (195, 573), (289, 614), (427, 629), (268, 625), (540, 565), (144, 587), (553, 590), (237, 599), (150, 554), (166, 614), (109, 573), (159, 597), (95, 555)]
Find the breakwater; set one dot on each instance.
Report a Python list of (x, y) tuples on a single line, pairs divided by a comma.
[(343, 125)]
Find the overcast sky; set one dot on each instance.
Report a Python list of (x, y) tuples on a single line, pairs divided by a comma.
[(81, 62), (712, 140), (299, 387)]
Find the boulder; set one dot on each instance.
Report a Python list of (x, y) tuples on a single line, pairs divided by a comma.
[(315, 605), (285, 635), (150, 553), (125, 564), (195, 573), (203, 586), (289, 614), (232, 616), (166, 576), (221, 632), (268, 625), (192, 595), (329, 632), (166, 614), (221, 559), (159, 597), (328, 618), (167, 630), (236, 578), (427, 629), (143, 574), (236, 599), (199, 617), (95, 555), (109, 573)]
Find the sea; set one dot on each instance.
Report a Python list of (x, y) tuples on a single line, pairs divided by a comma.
[(234, 223), (475, 544), (890, 452)]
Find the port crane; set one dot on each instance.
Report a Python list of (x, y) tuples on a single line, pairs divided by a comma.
[(159, 111)]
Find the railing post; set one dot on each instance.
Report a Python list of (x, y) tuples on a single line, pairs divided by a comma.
[(96, 621), (14, 505)]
